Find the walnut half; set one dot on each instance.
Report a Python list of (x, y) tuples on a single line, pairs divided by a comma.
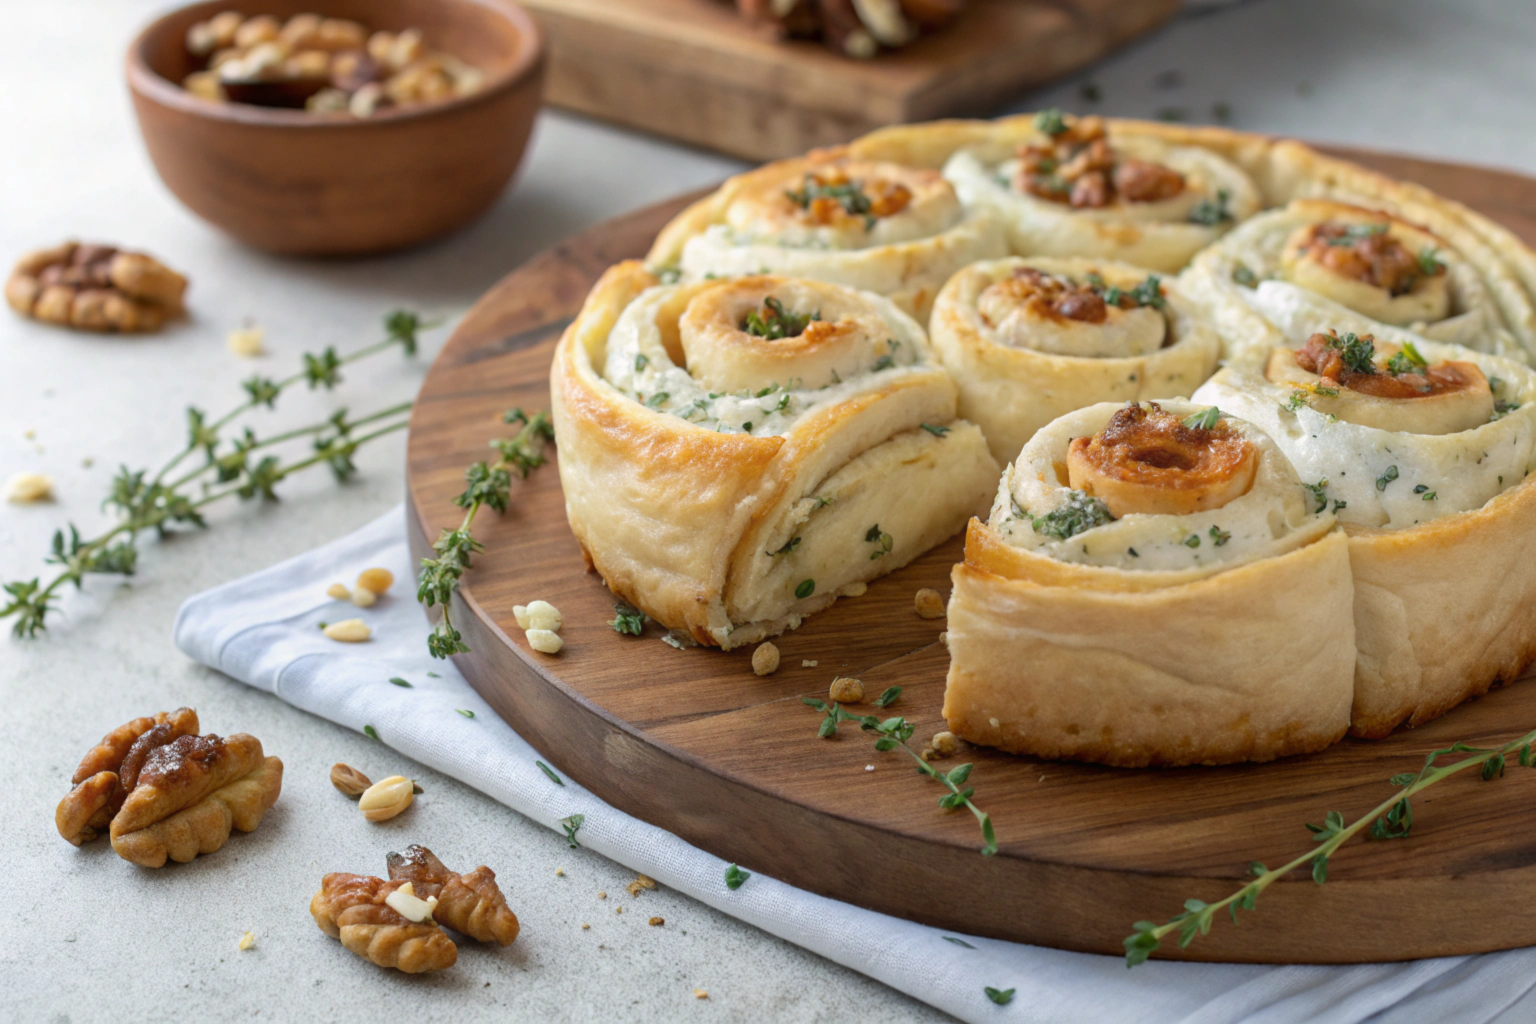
[(95, 288), (164, 792), (356, 910)]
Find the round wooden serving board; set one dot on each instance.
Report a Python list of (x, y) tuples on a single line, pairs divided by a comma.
[(694, 742)]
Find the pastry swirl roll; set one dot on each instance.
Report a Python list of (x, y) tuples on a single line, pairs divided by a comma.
[(1422, 449), (1031, 339), (1153, 586), (1082, 187), (736, 454), (873, 225), (1371, 262)]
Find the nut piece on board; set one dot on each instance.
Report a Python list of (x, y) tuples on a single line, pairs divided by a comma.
[(95, 288), (929, 604), (352, 908), (471, 903), (164, 792), (765, 659), (25, 488), (846, 690)]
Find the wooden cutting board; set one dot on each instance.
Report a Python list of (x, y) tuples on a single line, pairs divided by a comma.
[(692, 741), (695, 71)]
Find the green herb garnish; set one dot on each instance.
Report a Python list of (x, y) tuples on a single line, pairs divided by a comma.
[(895, 732), (547, 770), (888, 697), (1001, 997), (1050, 122), (805, 589), (1386, 478), (789, 546), (486, 485), (1081, 512), (935, 431), (1406, 360), (1356, 233), (774, 322), (1317, 490), (572, 825), (627, 619), (874, 535), (370, 732), (1354, 351), (1205, 419), (1245, 277), (1192, 541), (1213, 212), (641, 361), (1390, 819), (850, 195), (466, 713), (399, 682), (1220, 536), (735, 877), (1429, 261)]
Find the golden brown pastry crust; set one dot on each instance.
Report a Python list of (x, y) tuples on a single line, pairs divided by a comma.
[(1082, 663), (1443, 610), (1284, 170), (679, 519)]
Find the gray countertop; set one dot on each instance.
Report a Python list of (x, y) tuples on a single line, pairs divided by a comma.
[(97, 939)]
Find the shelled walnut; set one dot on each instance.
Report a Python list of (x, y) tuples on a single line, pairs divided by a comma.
[(164, 792), (95, 288), (324, 65), (398, 923), (855, 28)]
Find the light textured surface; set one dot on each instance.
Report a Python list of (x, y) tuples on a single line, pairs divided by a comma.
[(99, 938)]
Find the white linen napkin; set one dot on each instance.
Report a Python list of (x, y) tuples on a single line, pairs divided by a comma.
[(260, 630)]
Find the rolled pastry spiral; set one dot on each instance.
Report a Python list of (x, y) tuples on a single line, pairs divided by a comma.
[(1366, 260), (737, 454), (1422, 449), (1153, 586), (1077, 187), (1031, 339), (877, 226)]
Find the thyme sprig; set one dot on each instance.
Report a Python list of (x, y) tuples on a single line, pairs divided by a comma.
[(893, 733), (485, 484), (1390, 819), (228, 467)]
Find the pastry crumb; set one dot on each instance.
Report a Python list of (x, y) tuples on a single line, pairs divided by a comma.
[(657, 922), (585, 926), (869, 767), (559, 872), (602, 895), (846, 690), (807, 663), (945, 743), (699, 993), (618, 910), (247, 940), (929, 604)]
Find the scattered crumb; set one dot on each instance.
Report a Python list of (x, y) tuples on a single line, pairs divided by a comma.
[(929, 603), (618, 910), (699, 993), (24, 488), (29, 434), (928, 754), (657, 922), (944, 639), (559, 872), (945, 743), (87, 462), (855, 590), (807, 663), (585, 926), (247, 940), (765, 659), (846, 690), (602, 895), (1042, 778), (246, 342), (640, 882), (869, 767)]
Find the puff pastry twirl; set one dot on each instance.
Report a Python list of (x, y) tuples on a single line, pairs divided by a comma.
[(736, 454), (1152, 587)]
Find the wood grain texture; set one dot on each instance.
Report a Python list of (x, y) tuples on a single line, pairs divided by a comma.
[(692, 741), (694, 70)]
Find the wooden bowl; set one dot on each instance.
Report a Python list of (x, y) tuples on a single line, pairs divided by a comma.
[(329, 184)]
